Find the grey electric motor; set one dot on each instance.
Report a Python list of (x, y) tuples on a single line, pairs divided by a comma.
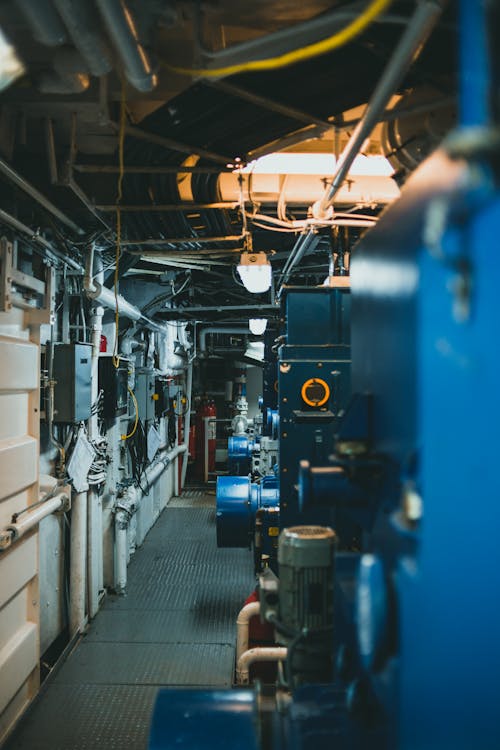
[(306, 580)]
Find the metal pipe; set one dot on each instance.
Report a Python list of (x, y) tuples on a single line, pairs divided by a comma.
[(225, 309), (170, 143), (204, 332), (106, 297), (243, 625), (121, 541), (34, 237), (475, 79), (408, 49), (310, 242), (84, 32), (32, 191), (187, 241), (112, 169), (111, 208), (46, 26), (284, 40), (128, 507), (122, 29), (14, 531), (187, 422), (269, 104), (94, 507), (78, 562), (272, 653)]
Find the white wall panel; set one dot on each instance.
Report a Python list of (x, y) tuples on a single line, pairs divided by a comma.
[(19, 565)]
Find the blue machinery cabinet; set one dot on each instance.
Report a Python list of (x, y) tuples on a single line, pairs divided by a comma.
[(313, 386), (417, 608)]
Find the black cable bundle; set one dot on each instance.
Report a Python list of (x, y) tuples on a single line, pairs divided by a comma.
[(138, 451), (172, 430)]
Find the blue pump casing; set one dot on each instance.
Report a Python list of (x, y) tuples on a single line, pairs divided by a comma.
[(238, 500)]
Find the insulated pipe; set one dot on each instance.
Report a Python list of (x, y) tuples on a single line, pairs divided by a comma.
[(78, 562), (247, 658), (17, 530), (127, 509), (121, 541), (32, 235), (410, 45), (123, 31), (219, 329), (187, 422), (85, 34), (242, 627), (20, 182), (94, 507), (46, 26), (106, 297)]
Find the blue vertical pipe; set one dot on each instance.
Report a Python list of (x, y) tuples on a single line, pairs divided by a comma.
[(475, 69)]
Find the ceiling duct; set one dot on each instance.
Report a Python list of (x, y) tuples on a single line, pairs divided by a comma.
[(122, 29)]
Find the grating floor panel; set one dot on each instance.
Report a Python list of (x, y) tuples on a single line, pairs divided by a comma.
[(175, 626)]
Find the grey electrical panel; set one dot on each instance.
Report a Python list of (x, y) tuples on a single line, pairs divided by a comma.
[(72, 373), (144, 393)]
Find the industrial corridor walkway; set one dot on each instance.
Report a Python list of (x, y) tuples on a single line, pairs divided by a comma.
[(176, 627)]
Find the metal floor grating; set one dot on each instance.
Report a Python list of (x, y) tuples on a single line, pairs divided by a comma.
[(175, 626)]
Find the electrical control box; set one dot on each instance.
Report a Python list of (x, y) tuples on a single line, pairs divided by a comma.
[(162, 399), (144, 392), (113, 382), (72, 373)]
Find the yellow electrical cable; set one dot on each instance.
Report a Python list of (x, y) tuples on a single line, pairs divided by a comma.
[(119, 195), (339, 39), (136, 422)]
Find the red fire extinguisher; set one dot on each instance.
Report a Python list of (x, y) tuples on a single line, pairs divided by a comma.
[(205, 439), (192, 442)]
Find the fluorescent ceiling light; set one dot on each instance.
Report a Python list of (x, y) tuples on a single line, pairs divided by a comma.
[(257, 326), (322, 164), (11, 66), (255, 272)]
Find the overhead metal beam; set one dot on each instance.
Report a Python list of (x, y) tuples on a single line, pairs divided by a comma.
[(20, 182), (193, 312), (270, 104), (113, 169), (292, 139), (37, 239), (172, 144), (184, 240), (167, 207)]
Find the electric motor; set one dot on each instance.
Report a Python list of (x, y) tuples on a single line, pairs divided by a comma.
[(306, 581)]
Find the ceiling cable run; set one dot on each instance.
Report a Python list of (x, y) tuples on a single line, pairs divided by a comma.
[(331, 43)]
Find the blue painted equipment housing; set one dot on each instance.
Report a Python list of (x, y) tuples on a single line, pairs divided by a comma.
[(199, 716), (239, 454), (238, 500)]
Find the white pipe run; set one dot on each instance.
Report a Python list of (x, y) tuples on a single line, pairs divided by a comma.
[(243, 625), (78, 562), (187, 422), (247, 658), (127, 508), (220, 329), (94, 521), (169, 362), (30, 519), (106, 297)]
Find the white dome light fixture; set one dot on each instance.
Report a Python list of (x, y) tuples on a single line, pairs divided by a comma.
[(257, 326), (255, 272)]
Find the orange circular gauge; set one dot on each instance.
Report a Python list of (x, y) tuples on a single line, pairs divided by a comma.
[(315, 392)]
